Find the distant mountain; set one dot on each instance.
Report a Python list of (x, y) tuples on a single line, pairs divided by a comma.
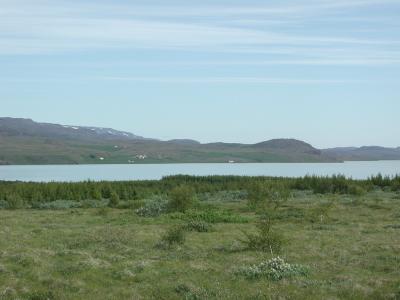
[(29, 128), (363, 153), (291, 145), (184, 142), (23, 141)]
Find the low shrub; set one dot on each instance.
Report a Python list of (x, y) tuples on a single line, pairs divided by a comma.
[(14, 201), (274, 269), (321, 212), (190, 292), (223, 196), (68, 204), (103, 211), (268, 196), (153, 207), (130, 204), (40, 295), (94, 203), (210, 216), (114, 199), (181, 199), (4, 204), (265, 239), (257, 194), (356, 190), (58, 204), (199, 226), (173, 236), (337, 184)]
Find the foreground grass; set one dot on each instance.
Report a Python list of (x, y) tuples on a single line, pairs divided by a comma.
[(352, 251)]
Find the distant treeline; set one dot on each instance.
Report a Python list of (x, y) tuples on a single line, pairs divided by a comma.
[(29, 193)]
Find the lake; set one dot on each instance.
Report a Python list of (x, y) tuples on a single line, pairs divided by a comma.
[(357, 170)]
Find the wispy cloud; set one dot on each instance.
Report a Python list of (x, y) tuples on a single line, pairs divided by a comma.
[(44, 26), (222, 80), (184, 80)]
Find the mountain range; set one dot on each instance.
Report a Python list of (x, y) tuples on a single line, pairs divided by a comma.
[(23, 141)]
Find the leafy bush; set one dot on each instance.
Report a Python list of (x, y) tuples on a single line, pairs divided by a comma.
[(40, 295), (381, 181), (320, 213), (14, 201), (356, 190), (189, 292), (181, 199), (210, 216), (337, 184), (103, 211), (94, 203), (224, 196), (58, 204), (114, 199), (173, 236), (68, 204), (265, 239), (130, 204), (199, 226), (257, 194), (274, 269), (4, 204), (153, 207), (268, 195)]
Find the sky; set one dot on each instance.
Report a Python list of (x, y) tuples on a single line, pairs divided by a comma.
[(326, 72)]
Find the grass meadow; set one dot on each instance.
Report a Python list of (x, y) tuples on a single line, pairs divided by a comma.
[(262, 239)]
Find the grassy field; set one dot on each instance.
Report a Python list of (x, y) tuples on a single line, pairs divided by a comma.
[(347, 245)]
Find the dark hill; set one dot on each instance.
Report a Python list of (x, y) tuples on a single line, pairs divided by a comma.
[(23, 141)]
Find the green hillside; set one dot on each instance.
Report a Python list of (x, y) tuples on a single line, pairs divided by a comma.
[(27, 142)]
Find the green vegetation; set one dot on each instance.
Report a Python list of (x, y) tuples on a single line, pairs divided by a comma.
[(43, 151), (214, 237), (266, 238), (173, 236), (181, 199), (275, 269)]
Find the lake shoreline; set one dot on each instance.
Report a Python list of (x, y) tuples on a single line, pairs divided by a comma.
[(128, 172)]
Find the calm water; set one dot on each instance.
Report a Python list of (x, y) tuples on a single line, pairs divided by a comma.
[(358, 170)]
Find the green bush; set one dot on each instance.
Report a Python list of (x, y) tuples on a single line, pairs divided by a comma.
[(321, 212), (265, 239), (68, 204), (173, 236), (58, 204), (130, 204), (264, 196), (356, 190), (153, 207), (256, 194), (199, 226), (338, 184), (211, 216), (94, 203), (4, 204), (274, 269), (181, 199), (40, 295), (15, 201), (114, 199), (223, 196)]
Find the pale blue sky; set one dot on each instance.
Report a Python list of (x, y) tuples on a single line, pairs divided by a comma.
[(327, 72)]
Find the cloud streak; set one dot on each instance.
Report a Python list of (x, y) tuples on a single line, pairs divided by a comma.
[(52, 27), (228, 80)]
